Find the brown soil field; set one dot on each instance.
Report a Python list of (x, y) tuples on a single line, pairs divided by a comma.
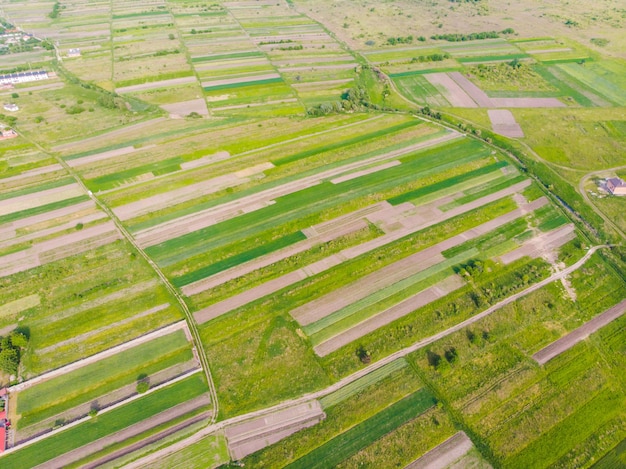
[(455, 94), (156, 84), (397, 311), (33, 172), (444, 454), (104, 155), (471, 89), (526, 102), (186, 107), (318, 67), (541, 245), (504, 123), (250, 436), (568, 341)]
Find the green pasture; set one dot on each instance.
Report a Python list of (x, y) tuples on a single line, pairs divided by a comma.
[(56, 395), (417, 88), (106, 424)]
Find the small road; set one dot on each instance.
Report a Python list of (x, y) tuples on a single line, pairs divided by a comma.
[(364, 371)]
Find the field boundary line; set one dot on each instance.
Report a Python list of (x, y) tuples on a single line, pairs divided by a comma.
[(101, 411), (98, 356)]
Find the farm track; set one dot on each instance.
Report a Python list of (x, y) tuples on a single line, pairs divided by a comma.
[(145, 461), (193, 329)]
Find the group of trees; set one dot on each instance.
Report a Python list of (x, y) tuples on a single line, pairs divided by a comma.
[(459, 37), (11, 348), (354, 99)]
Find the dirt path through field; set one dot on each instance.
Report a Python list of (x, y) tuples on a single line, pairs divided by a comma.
[(568, 341), (444, 454)]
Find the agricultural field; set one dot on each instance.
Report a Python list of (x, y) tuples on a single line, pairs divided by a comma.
[(312, 234)]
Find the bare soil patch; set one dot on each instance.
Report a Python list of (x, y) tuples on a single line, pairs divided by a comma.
[(250, 436), (187, 107), (566, 342), (455, 94), (526, 102), (444, 454), (504, 123), (471, 89), (541, 245)]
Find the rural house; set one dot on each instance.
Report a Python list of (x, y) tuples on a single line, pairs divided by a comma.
[(616, 186)]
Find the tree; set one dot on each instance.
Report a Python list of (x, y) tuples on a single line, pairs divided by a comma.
[(9, 360), (18, 339), (171, 36)]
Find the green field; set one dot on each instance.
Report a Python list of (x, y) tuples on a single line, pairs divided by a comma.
[(106, 424), (56, 395)]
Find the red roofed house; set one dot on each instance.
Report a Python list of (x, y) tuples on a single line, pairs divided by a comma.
[(3, 439)]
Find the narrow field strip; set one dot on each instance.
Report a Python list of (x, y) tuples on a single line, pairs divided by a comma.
[(156, 84), (383, 318), (248, 437), (45, 198), (568, 341), (541, 244), (444, 454), (362, 383)]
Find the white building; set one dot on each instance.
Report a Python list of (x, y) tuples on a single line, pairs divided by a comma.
[(23, 77)]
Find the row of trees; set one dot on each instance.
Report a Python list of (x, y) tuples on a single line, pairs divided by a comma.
[(459, 37)]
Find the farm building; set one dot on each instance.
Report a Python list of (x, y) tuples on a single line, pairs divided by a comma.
[(7, 133), (73, 53), (616, 186), (23, 77), (11, 107)]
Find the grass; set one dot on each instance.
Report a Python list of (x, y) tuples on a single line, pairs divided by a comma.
[(106, 424), (348, 443), (614, 458), (208, 452), (243, 84), (72, 389), (361, 384), (38, 188)]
